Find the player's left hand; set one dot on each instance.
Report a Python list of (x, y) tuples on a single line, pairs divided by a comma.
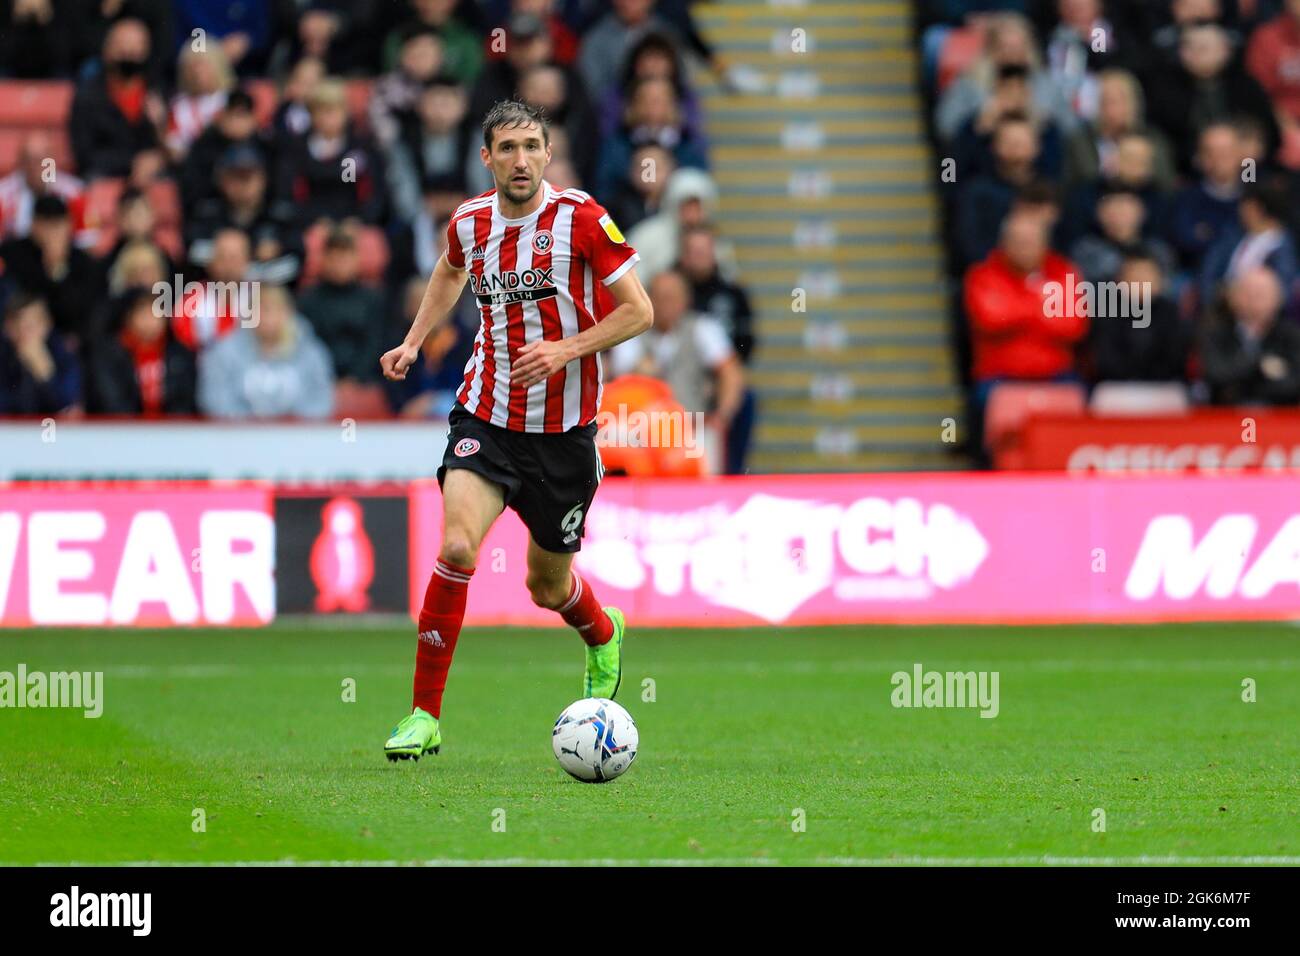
[(540, 360)]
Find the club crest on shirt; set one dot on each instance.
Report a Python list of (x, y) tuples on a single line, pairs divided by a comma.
[(543, 241), (466, 447)]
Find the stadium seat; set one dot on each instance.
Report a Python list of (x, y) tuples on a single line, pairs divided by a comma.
[(1139, 398), (101, 208), (1011, 404), (13, 138), (960, 48), (34, 102)]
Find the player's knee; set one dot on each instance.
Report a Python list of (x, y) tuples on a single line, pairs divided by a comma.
[(459, 548), (546, 591)]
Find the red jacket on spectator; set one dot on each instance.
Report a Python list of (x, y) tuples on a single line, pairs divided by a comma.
[(1012, 333), (1273, 58)]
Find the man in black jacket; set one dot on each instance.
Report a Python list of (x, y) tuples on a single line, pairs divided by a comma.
[(115, 115), (1251, 358)]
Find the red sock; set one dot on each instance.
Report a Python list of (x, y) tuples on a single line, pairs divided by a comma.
[(440, 620), (583, 611)]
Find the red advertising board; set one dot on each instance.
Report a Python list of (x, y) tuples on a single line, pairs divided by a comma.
[(1208, 442)]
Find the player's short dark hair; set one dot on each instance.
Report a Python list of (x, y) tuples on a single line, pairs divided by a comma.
[(512, 114)]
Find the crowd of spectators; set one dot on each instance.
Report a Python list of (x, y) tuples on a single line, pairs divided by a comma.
[(313, 152), (1136, 141)]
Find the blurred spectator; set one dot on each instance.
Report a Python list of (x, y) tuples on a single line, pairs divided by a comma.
[(394, 96), (689, 200), (609, 40), (1133, 348), (1011, 99), (416, 247), (205, 80), (115, 114), (135, 223), (462, 48), (347, 316), (691, 352), (39, 374), (1024, 321), (292, 117), (213, 308), (986, 198), (653, 57), (1259, 238), (47, 264), (431, 384), (332, 31), (1207, 208), (1094, 150), (333, 172), (728, 303), (37, 175), (653, 116), (1135, 157), (140, 369), (1273, 59), (712, 294), (139, 262), (242, 203), (1008, 42), (434, 142), (34, 41), (1083, 44), (244, 32), (1120, 228), (548, 86), (273, 369), (1248, 356), (234, 125), (640, 193), (564, 42), (1208, 86), (88, 23), (1183, 14)]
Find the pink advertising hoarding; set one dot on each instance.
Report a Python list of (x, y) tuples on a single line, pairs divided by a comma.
[(173, 554), (910, 548)]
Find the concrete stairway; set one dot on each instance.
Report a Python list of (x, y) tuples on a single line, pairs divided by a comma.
[(825, 179)]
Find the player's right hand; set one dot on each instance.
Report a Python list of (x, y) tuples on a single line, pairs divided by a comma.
[(396, 361)]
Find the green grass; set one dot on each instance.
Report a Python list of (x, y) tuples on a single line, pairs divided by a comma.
[(1146, 723)]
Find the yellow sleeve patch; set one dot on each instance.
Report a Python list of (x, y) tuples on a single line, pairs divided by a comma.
[(611, 230)]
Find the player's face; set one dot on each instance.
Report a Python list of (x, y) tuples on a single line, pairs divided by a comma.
[(517, 160)]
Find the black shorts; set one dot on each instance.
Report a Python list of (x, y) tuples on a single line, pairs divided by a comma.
[(548, 479)]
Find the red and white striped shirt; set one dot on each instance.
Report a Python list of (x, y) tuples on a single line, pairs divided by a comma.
[(538, 277)]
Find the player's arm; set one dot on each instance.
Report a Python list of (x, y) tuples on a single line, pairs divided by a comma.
[(440, 297), (631, 316)]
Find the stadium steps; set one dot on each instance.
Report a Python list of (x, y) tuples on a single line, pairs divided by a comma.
[(825, 185)]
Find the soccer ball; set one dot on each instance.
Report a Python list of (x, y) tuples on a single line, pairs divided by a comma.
[(595, 740)]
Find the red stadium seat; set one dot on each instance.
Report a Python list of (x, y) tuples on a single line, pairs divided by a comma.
[(960, 48), (1011, 404), (101, 202), (13, 138), (35, 102)]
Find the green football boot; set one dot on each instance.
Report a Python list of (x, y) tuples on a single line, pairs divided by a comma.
[(416, 734), (605, 661)]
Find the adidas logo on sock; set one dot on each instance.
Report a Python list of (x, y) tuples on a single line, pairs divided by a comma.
[(432, 637)]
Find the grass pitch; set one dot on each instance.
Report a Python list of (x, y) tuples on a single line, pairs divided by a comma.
[(746, 729)]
